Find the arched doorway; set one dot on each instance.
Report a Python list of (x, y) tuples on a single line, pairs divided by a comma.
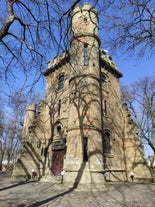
[(57, 162), (58, 151)]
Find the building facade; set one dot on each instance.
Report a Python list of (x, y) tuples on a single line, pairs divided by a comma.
[(81, 131)]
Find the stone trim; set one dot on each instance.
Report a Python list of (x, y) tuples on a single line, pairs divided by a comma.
[(85, 34)]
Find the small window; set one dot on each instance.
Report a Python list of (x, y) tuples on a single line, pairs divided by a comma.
[(59, 130), (103, 81), (60, 82), (105, 108), (85, 19), (85, 149), (59, 107), (106, 143), (85, 54)]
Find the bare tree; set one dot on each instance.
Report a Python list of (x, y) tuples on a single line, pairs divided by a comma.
[(11, 124), (140, 98), (31, 30), (130, 26), (1, 133)]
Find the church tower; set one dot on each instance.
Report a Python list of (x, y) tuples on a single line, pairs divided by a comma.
[(84, 140)]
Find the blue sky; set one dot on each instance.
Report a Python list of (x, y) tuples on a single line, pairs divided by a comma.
[(133, 70)]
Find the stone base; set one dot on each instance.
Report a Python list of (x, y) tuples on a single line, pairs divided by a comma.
[(20, 177), (142, 173), (51, 179), (93, 181)]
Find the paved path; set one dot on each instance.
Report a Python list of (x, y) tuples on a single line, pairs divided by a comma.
[(34, 194)]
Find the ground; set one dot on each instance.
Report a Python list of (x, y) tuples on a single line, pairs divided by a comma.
[(34, 194)]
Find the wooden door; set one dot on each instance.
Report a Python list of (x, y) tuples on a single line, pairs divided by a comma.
[(57, 162)]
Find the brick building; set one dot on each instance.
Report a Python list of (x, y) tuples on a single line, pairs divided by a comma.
[(81, 128)]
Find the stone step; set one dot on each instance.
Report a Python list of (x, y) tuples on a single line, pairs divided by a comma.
[(52, 179)]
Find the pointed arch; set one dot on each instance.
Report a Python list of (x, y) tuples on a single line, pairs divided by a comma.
[(107, 142)]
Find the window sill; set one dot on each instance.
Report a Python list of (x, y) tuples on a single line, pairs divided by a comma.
[(107, 155), (59, 90)]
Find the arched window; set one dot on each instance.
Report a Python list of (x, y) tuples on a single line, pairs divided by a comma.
[(59, 130), (103, 81), (106, 143), (60, 82)]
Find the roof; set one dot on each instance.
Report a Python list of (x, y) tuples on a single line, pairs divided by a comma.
[(106, 60), (56, 63)]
